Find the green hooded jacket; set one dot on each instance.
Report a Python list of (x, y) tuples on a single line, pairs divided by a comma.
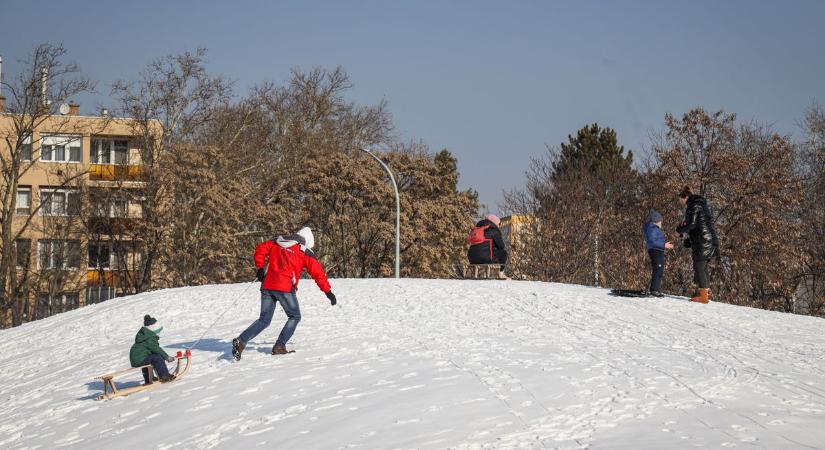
[(146, 343)]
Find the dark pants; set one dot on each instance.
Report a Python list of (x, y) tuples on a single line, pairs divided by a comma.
[(269, 298), (657, 269), (158, 364), (499, 257), (700, 273)]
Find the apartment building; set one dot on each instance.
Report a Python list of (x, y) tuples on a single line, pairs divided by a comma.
[(78, 200)]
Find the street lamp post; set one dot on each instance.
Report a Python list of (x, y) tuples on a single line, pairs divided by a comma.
[(397, 214)]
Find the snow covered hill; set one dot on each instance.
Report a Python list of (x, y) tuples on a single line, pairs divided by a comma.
[(428, 364)]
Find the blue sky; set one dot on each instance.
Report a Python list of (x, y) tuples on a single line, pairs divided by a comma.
[(491, 81)]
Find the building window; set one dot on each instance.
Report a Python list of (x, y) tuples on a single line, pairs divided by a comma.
[(99, 255), (110, 151), (60, 148), (59, 202), (124, 256), (115, 206), (24, 201), (44, 308), (23, 249), (97, 294), (71, 300), (99, 208), (120, 207), (48, 305), (58, 254), (26, 149)]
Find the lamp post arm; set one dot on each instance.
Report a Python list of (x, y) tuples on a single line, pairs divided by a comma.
[(397, 213)]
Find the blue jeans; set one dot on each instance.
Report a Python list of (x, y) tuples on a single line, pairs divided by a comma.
[(158, 364), (289, 302), (657, 269)]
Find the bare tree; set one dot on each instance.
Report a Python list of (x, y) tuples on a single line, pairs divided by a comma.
[(812, 212), (746, 171), (174, 101), (45, 82)]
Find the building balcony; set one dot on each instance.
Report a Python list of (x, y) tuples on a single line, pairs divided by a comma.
[(106, 277), (116, 172)]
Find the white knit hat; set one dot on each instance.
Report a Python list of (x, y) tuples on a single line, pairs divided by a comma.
[(309, 239)]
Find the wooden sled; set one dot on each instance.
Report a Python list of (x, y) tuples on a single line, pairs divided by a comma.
[(479, 271), (111, 391)]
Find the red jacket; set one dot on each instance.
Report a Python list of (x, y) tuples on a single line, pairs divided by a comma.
[(285, 261)]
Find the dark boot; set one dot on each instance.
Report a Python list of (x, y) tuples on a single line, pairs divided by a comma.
[(167, 378), (148, 377), (237, 348), (280, 350)]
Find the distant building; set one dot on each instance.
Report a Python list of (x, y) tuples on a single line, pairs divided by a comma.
[(514, 228), (80, 194)]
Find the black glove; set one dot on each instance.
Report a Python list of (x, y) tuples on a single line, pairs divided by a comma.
[(332, 299), (260, 274), (170, 359)]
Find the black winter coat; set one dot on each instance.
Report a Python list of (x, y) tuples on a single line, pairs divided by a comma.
[(698, 225), (490, 251)]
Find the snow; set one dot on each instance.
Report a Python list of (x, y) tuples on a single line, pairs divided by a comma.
[(429, 364)]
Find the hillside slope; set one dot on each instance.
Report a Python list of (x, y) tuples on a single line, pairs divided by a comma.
[(425, 364)]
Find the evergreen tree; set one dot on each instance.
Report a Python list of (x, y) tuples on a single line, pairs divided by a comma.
[(584, 198), (595, 151)]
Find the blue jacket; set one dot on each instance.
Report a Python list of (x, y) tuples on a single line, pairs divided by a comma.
[(654, 237)]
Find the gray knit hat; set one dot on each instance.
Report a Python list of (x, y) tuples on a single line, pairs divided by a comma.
[(654, 216)]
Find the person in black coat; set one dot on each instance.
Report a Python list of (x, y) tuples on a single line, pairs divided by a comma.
[(701, 238), (490, 248)]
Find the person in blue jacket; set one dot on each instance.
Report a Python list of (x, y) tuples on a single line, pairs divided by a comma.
[(656, 246)]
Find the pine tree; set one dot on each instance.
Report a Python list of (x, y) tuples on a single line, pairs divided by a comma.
[(595, 151), (584, 197)]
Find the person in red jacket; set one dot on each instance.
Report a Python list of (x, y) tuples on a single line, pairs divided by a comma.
[(280, 263)]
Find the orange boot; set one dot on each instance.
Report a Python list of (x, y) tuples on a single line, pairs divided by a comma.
[(703, 297)]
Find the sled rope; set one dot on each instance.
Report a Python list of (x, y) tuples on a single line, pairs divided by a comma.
[(240, 296)]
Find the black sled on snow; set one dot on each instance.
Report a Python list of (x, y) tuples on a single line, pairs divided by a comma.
[(639, 293)]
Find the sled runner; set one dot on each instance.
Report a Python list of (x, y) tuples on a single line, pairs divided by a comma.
[(111, 391), (479, 271)]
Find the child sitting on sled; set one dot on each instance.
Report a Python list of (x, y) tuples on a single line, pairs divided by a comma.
[(146, 350), (656, 245)]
